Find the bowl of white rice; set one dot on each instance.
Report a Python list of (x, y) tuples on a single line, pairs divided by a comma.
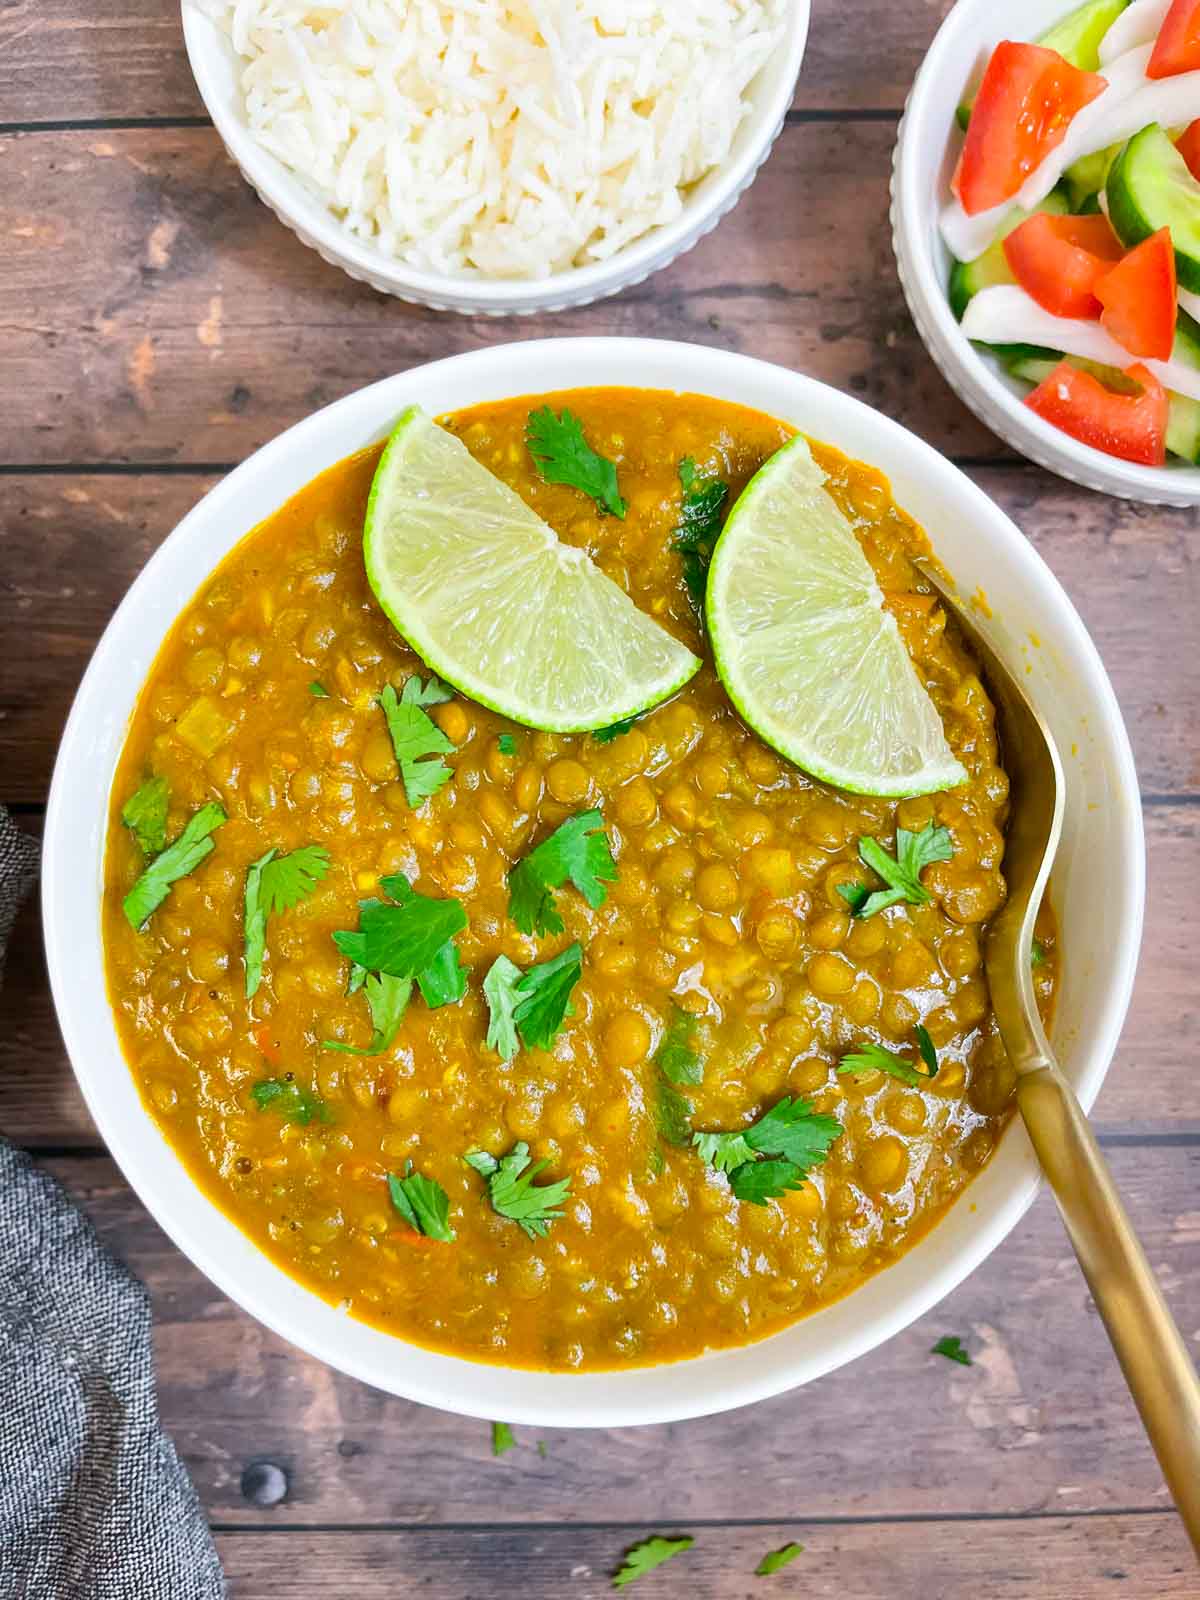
[(493, 158)]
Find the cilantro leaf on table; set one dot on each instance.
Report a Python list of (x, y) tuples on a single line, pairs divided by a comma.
[(776, 1560), (876, 1058), (415, 735), (293, 1103), (145, 815), (513, 1192), (792, 1136), (387, 1000), (507, 744), (677, 1057), (276, 883), (544, 997), (901, 872), (502, 1438), (614, 729), (422, 1202), (579, 850), (175, 862), (318, 690), (500, 992), (444, 981), (644, 1557), (431, 693), (699, 526), (403, 937), (562, 455), (951, 1346)]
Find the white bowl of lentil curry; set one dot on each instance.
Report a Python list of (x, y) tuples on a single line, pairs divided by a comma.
[(721, 973)]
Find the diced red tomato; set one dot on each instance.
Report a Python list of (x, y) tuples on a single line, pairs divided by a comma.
[(1131, 426), (1058, 261), (1188, 145), (1024, 106), (1140, 298), (1177, 48), (268, 1044)]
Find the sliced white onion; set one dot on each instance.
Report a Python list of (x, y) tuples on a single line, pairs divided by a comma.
[(1007, 315), (1190, 303), (1137, 24)]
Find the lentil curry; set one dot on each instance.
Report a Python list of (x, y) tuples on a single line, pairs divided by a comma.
[(723, 969)]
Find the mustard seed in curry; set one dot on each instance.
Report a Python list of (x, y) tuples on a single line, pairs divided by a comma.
[(715, 972)]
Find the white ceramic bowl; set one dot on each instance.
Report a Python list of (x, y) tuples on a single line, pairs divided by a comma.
[(214, 66), (1100, 912), (926, 150)]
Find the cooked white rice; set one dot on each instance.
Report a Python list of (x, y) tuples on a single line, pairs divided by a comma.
[(479, 139)]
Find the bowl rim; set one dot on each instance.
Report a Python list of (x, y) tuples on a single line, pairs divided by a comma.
[(75, 829), (715, 193), (922, 143)]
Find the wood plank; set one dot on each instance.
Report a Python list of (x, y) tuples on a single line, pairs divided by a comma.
[(60, 59), (151, 309), (1041, 1423), (1069, 1558)]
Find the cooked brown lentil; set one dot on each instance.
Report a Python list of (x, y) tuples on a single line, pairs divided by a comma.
[(727, 904)]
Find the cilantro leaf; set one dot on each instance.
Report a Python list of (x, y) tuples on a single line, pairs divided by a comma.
[(672, 1113), (698, 527), (544, 997), (180, 858), (644, 1557), (677, 1058), (500, 992), (444, 981), (579, 850), (433, 693), (507, 744), (276, 883), (723, 1151), (423, 1204), (318, 690), (513, 1192), (502, 1438), (901, 872), (387, 1000), (760, 1181), (415, 735), (792, 1134), (793, 1130), (1037, 950), (562, 455), (776, 1560), (293, 1103), (876, 1058), (925, 1046), (400, 939), (951, 1346), (614, 730), (145, 815)]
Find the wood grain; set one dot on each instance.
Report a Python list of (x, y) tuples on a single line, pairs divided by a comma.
[(152, 310), (61, 59), (1040, 1424)]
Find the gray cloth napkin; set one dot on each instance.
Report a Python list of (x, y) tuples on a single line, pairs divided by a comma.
[(94, 1502)]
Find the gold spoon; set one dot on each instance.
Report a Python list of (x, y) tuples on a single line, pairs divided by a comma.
[(1148, 1345)]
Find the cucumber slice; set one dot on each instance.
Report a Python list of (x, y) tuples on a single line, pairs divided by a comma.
[(1183, 428), (1150, 187), (967, 278), (1183, 415), (1186, 348), (1076, 38), (1084, 179)]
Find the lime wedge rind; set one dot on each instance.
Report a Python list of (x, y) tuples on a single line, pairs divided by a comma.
[(489, 597), (806, 651)]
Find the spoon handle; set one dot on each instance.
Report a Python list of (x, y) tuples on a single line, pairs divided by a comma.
[(1149, 1347)]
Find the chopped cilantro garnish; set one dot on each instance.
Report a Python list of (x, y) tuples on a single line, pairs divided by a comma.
[(677, 1058), (444, 981), (544, 997), (502, 1438), (644, 1557), (507, 744), (578, 850), (145, 815), (276, 883), (387, 1000), (901, 872), (672, 1113), (416, 735), (318, 690), (175, 862), (431, 693), (613, 731), (500, 992), (951, 1346), (422, 1202), (776, 1560), (514, 1193), (876, 1058), (1037, 950), (698, 527), (293, 1103), (401, 938), (792, 1134), (562, 455)]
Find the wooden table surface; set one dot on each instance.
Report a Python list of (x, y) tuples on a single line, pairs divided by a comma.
[(156, 326)]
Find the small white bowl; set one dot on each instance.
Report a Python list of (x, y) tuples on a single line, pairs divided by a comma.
[(1100, 913), (926, 150), (215, 68)]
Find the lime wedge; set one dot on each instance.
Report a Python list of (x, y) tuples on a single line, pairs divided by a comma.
[(489, 598), (805, 649)]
